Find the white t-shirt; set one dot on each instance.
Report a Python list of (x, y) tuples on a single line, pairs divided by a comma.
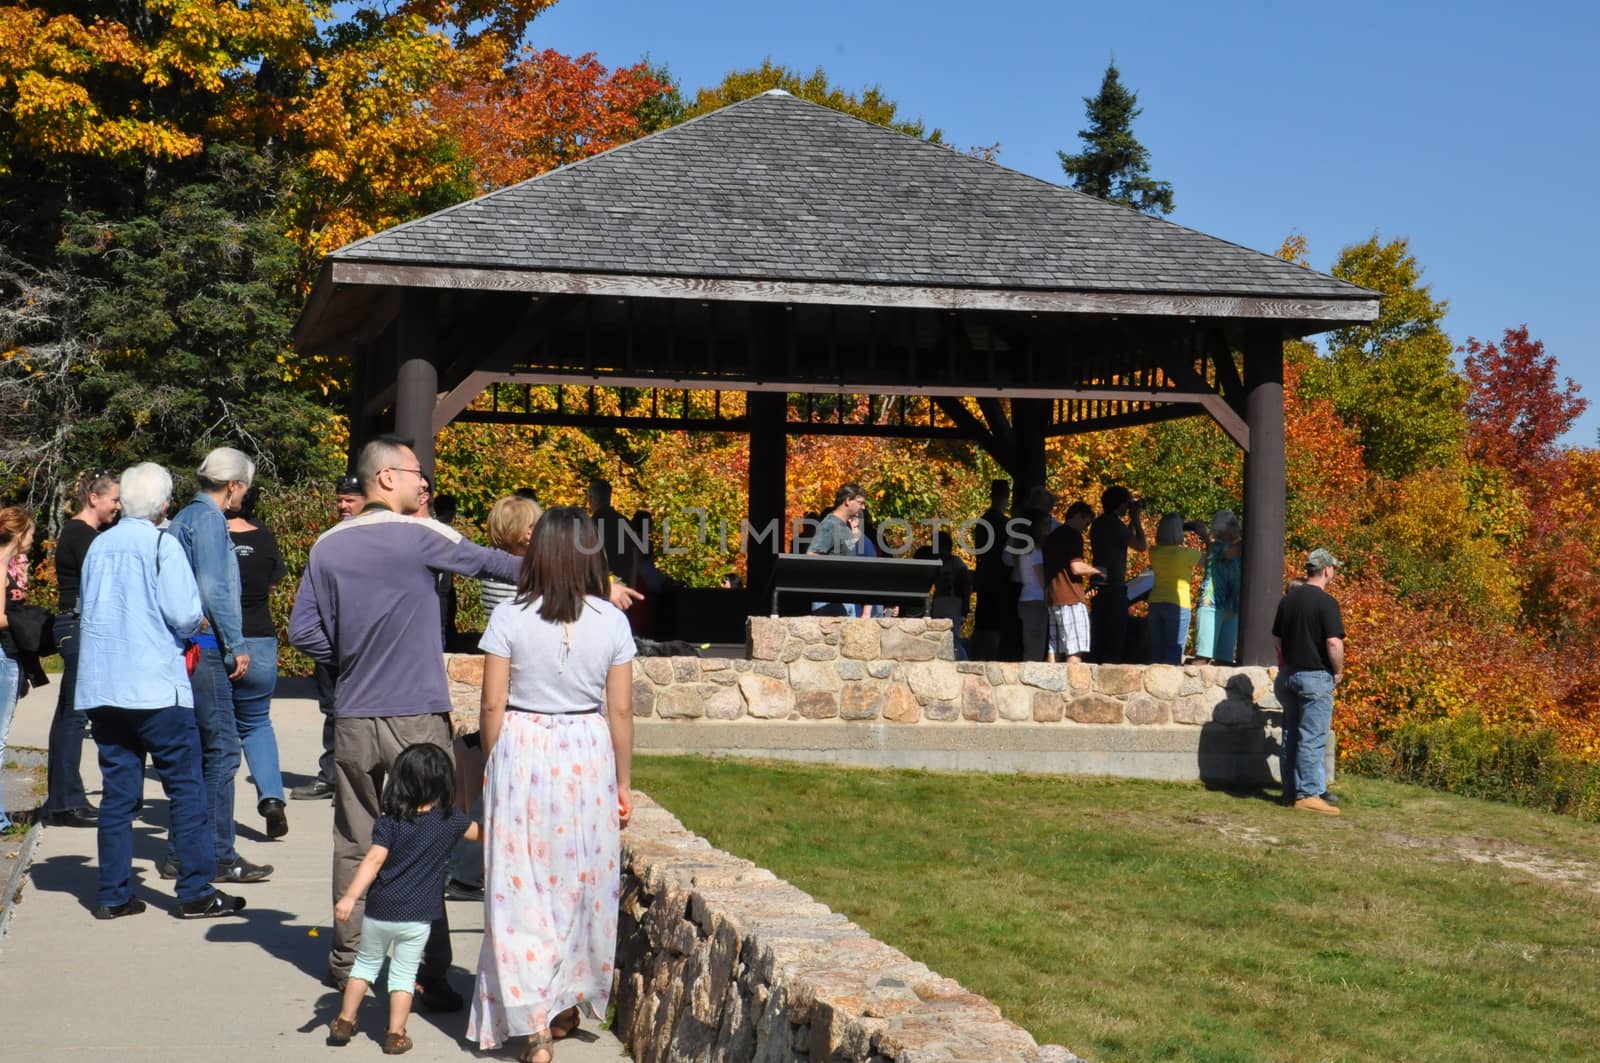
[(1030, 573), (549, 671)]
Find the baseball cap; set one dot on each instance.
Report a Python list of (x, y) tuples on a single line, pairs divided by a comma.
[(347, 485), (1320, 559)]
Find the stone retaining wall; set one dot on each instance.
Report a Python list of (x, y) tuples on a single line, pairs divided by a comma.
[(719, 961), (890, 693)]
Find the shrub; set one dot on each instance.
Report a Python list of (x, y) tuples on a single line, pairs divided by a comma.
[(1464, 755)]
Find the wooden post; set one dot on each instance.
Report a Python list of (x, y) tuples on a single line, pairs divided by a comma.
[(417, 376), (1029, 419), (767, 411), (1265, 485), (364, 370)]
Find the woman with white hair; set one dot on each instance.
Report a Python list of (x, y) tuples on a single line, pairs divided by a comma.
[(1216, 627), (137, 603), (1170, 595), (201, 528)]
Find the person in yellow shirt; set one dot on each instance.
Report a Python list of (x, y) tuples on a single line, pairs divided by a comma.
[(1170, 600)]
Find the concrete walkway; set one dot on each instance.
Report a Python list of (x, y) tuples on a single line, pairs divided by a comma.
[(155, 988)]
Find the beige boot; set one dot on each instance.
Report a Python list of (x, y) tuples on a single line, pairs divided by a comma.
[(1316, 804)]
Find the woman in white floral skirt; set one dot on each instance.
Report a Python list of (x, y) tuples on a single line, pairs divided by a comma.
[(557, 723)]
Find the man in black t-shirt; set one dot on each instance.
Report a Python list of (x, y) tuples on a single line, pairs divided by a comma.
[(1110, 539), (996, 631), (1309, 633)]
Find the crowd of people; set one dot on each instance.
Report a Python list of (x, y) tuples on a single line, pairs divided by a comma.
[(1043, 593), (169, 655), (1055, 588)]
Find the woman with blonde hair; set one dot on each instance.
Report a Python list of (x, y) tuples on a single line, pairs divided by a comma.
[(1170, 596), (557, 719), (511, 522)]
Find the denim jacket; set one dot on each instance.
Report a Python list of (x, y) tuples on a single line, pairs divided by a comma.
[(134, 613), (202, 531)]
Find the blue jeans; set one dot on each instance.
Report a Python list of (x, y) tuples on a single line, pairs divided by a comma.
[(219, 749), (172, 741), (1169, 632), (10, 677), (66, 728), (1308, 715), (252, 709)]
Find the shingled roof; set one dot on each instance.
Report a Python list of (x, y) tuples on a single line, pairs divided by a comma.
[(779, 189)]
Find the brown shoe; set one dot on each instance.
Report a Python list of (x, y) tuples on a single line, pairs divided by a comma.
[(340, 1031), (396, 1044), (1316, 804)]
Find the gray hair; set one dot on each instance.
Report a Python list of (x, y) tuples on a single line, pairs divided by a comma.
[(146, 488), (1170, 531), (376, 456), (224, 466)]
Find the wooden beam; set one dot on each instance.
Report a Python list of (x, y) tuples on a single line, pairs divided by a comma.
[(1328, 312), (815, 387), (957, 411), (1219, 408)]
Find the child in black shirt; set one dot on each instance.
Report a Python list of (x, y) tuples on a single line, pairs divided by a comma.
[(411, 842)]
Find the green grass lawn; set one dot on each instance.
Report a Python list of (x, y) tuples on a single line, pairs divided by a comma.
[(1138, 920)]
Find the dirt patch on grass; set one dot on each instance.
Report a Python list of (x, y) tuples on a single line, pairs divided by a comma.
[(1540, 863)]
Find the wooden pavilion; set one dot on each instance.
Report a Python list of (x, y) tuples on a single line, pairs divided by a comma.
[(778, 247)]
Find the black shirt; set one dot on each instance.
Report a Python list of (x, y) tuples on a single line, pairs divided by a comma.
[(994, 575), (410, 884), (1109, 539), (260, 566), (71, 548), (1307, 617)]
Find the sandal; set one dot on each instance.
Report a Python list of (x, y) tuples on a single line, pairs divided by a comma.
[(564, 1024), (396, 1044), (340, 1031), (540, 1042)]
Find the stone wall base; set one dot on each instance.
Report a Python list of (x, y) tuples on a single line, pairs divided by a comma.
[(719, 961), (1215, 754)]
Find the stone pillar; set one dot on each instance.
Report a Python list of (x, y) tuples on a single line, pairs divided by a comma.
[(417, 375), (768, 411), (1265, 485)]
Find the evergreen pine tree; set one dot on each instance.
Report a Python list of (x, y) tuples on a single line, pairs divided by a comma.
[(1115, 165)]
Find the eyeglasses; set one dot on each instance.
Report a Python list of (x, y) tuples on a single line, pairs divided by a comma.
[(397, 468)]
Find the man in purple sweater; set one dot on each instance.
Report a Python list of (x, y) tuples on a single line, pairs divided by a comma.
[(367, 606)]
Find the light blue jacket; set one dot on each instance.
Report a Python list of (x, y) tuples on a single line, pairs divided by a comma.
[(202, 531), (132, 623)]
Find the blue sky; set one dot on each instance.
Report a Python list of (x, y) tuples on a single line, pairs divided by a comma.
[(1471, 128)]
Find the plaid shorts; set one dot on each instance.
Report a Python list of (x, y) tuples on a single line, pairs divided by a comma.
[(1069, 630)]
